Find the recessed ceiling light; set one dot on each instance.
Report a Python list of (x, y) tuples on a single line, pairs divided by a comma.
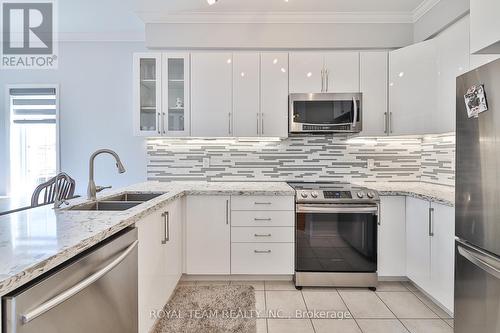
[(229, 61), (401, 74), (212, 2), (283, 70), (391, 84), (275, 61), (242, 74), (309, 74)]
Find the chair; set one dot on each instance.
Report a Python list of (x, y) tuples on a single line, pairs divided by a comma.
[(65, 184)]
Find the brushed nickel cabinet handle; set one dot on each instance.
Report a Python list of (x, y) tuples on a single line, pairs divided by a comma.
[(258, 219), (257, 251), (158, 123), (227, 211), (431, 222), (263, 203), (385, 122), (262, 235), (327, 79), (166, 230)]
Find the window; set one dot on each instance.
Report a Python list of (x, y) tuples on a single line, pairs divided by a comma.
[(33, 138)]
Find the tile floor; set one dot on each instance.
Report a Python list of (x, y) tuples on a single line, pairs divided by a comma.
[(395, 307)]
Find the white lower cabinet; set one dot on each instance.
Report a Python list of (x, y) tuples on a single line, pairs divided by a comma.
[(159, 260), (430, 248), (392, 237), (262, 258), (443, 255), (418, 242), (208, 235)]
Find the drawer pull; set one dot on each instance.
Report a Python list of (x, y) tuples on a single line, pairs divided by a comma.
[(263, 203), (262, 235), (257, 251), (257, 219)]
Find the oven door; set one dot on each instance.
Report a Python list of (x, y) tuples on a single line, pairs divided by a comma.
[(317, 113), (336, 238)]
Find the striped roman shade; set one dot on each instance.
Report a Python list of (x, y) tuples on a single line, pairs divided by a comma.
[(33, 105)]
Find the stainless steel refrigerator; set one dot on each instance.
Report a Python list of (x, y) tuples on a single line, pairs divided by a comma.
[(477, 203)]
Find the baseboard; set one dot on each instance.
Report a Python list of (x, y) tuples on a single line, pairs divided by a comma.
[(393, 279), (186, 277)]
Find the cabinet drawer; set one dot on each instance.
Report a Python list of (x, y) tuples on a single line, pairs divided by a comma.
[(262, 258), (262, 203), (262, 234), (262, 219)]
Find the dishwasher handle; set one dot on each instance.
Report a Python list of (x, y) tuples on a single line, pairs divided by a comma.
[(65, 295)]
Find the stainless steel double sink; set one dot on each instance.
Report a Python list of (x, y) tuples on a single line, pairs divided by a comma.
[(119, 202)]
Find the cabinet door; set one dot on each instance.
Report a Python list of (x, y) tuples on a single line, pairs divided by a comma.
[(412, 88), (452, 60), (208, 233), (342, 72), (274, 94), (176, 94), (147, 94), (173, 244), (485, 26), (392, 237), (418, 242), (443, 254), (306, 72), (374, 85), (152, 268), (211, 94), (246, 90)]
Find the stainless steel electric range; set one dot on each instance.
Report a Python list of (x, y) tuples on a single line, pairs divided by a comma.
[(335, 235)]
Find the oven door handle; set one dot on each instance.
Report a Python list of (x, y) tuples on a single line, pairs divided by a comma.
[(327, 209)]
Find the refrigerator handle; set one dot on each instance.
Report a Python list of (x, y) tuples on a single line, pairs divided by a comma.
[(480, 260), (52, 303)]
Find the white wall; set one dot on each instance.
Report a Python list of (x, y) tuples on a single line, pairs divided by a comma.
[(278, 36), (95, 81), (444, 13)]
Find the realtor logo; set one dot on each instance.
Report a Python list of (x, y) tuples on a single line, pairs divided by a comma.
[(28, 32)]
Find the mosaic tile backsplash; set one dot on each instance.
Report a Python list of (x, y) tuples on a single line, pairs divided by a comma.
[(318, 158)]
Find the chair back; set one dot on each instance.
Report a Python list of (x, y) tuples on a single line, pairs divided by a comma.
[(47, 191)]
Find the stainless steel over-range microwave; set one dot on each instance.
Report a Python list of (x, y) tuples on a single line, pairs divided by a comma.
[(325, 113)]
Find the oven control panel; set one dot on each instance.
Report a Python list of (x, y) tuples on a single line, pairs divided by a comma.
[(337, 194)]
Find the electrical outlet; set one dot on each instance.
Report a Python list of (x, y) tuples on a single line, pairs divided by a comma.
[(370, 164), (206, 162)]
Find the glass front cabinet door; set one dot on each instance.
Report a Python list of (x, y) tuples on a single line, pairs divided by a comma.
[(161, 94), (175, 120), (147, 94)]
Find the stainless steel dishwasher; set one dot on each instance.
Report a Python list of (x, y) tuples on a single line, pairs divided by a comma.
[(95, 292)]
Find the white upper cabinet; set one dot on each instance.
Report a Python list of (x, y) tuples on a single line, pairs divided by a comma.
[(342, 72), (246, 94), (211, 94), (176, 99), (274, 95), (307, 72), (374, 85), (412, 88), (485, 26), (452, 60), (147, 94), (316, 72)]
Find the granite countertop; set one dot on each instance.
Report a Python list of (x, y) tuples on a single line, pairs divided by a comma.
[(36, 240), (436, 193)]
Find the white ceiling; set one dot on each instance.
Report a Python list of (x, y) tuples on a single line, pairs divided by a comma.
[(363, 6)]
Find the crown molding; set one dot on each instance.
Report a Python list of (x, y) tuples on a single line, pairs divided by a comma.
[(276, 17), (423, 8)]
